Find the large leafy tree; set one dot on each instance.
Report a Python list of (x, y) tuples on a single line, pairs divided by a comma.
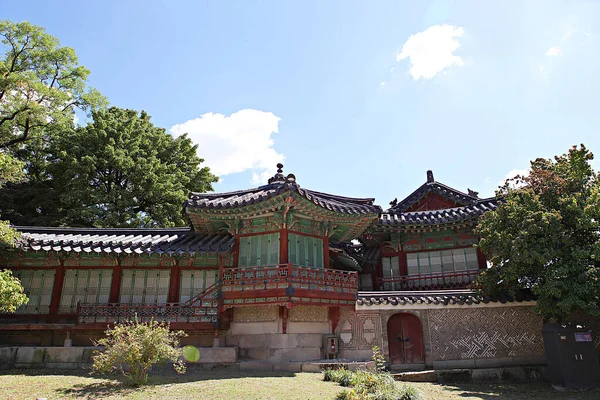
[(122, 171), (545, 236), (41, 84)]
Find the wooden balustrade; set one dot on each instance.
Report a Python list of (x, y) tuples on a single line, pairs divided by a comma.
[(284, 276), (456, 280)]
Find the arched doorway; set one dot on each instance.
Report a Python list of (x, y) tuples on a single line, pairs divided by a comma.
[(405, 339)]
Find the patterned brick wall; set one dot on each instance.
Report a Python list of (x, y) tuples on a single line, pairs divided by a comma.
[(492, 332), (359, 331)]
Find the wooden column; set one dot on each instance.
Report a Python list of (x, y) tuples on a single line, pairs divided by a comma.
[(59, 277), (236, 251), (283, 246), (481, 260), (403, 263), (115, 285), (174, 281), (326, 252)]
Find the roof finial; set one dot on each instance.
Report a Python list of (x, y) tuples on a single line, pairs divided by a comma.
[(430, 176), (278, 177)]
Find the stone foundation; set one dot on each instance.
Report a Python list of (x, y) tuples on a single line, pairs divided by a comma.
[(81, 357), (278, 347)]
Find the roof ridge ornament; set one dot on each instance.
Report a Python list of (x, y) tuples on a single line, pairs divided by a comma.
[(430, 176), (278, 177)]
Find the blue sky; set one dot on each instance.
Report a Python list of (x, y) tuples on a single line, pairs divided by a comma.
[(356, 98)]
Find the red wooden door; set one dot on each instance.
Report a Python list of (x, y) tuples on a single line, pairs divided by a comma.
[(405, 339)]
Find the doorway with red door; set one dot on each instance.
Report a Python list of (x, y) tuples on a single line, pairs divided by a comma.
[(405, 339)]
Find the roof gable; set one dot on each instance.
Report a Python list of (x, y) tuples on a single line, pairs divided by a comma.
[(433, 195)]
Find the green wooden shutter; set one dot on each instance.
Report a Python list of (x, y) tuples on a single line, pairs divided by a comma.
[(245, 252), (319, 253), (273, 249)]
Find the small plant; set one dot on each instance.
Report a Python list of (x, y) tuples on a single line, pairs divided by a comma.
[(366, 385), (133, 347), (379, 360)]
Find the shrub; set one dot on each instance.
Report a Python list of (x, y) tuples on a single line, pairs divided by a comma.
[(379, 360), (133, 347), (365, 385), (338, 375)]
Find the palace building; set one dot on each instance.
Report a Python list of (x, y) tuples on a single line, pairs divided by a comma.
[(271, 270)]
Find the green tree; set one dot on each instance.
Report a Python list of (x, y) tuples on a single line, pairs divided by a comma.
[(11, 290), (138, 346), (544, 237), (41, 84), (122, 171)]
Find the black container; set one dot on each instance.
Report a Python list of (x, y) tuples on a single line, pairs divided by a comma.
[(571, 356)]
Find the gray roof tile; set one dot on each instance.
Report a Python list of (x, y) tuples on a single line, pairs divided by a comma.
[(129, 241), (344, 205), (445, 297)]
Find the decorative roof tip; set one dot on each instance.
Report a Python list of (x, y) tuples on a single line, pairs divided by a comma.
[(473, 193), (279, 177), (430, 176)]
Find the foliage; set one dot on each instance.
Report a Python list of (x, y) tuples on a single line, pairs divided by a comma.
[(379, 360), (118, 171), (133, 347), (41, 84), (11, 292), (366, 385), (544, 237)]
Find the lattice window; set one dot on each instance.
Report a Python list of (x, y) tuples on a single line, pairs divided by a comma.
[(194, 282), (139, 286), (391, 269), (305, 250), (38, 285), (259, 250), (448, 262), (88, 286), (365, 282)]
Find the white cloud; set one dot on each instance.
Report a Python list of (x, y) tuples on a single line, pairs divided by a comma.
[(553, 51), (382, 84), (239, 142), (430, 51)]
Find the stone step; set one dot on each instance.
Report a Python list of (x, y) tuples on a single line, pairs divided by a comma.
[(416, 376)]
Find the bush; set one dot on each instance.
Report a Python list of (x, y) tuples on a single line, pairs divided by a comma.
[(379, 360), (365, 385), (133, 347), (340, 375)]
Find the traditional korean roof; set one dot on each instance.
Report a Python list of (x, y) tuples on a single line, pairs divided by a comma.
[(432, 186), (439, 217), (441, 297), (128, 241), (277, 185)]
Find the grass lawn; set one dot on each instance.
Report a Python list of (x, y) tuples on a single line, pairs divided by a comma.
[(24, 384)]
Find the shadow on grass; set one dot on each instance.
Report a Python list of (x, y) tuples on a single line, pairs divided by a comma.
[(116, 384), (518, 391), (96, 390)]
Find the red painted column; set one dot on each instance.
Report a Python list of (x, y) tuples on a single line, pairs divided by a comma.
[(283, 246), (326, 252), (115, 285), (174, 280), (57, 290), (481, 260), (236, 252), (403, 263)]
